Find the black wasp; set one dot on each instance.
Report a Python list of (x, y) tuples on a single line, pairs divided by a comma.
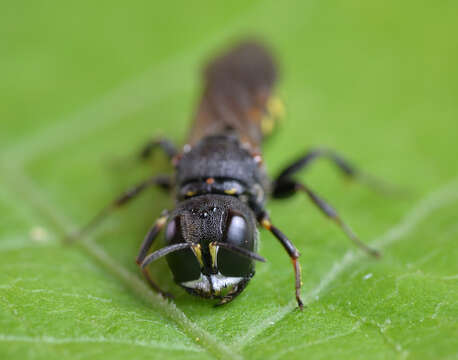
[(221, 184)]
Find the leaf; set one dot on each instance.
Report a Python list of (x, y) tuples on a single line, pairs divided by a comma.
[(84, 86)]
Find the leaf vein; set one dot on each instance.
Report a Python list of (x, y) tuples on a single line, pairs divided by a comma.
[(63, 225), (107, 340)]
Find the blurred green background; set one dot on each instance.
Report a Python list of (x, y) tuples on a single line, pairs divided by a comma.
[(84, 84)]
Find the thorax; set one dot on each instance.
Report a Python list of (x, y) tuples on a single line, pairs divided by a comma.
[(222, 165)]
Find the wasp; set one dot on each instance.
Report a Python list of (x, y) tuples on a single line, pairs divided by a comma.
[(221, 185)]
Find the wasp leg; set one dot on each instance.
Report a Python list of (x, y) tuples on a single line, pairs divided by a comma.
[(166, 145), (290, 186), (236, 291), (146, 246), (162, 181), (292, 252), (342, 164)]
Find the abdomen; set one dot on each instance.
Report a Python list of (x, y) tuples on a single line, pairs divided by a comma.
[(237, 95)]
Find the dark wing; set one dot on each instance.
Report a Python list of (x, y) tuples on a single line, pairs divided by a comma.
[(238, 86)]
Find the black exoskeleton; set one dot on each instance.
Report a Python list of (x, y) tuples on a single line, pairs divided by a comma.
[(221, 184)]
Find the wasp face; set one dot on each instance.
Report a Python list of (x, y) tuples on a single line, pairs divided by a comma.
[(212, 223)]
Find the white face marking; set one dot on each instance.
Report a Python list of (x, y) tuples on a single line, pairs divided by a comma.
[(219, 282)]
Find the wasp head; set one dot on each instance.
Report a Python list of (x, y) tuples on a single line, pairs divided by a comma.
[(223, 234)]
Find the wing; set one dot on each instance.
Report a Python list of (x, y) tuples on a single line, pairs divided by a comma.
[(238, 86)]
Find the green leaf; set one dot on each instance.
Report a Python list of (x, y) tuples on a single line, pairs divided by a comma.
[(84, 85)]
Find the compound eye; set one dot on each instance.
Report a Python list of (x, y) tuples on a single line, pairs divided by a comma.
[(173, 234), (183, 263), (238, 234)]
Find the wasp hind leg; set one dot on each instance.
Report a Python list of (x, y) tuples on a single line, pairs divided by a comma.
[(289, 187), (285, 186), (345, 167)]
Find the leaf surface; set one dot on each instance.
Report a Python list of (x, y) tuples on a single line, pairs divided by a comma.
[(85, 86)]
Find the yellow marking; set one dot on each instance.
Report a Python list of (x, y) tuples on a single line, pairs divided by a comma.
[(276, 107), (275, 112), (198, 253), (190, 193), (213, 253), (161, 221), (267, 124), (266, 224), (231, 191)]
